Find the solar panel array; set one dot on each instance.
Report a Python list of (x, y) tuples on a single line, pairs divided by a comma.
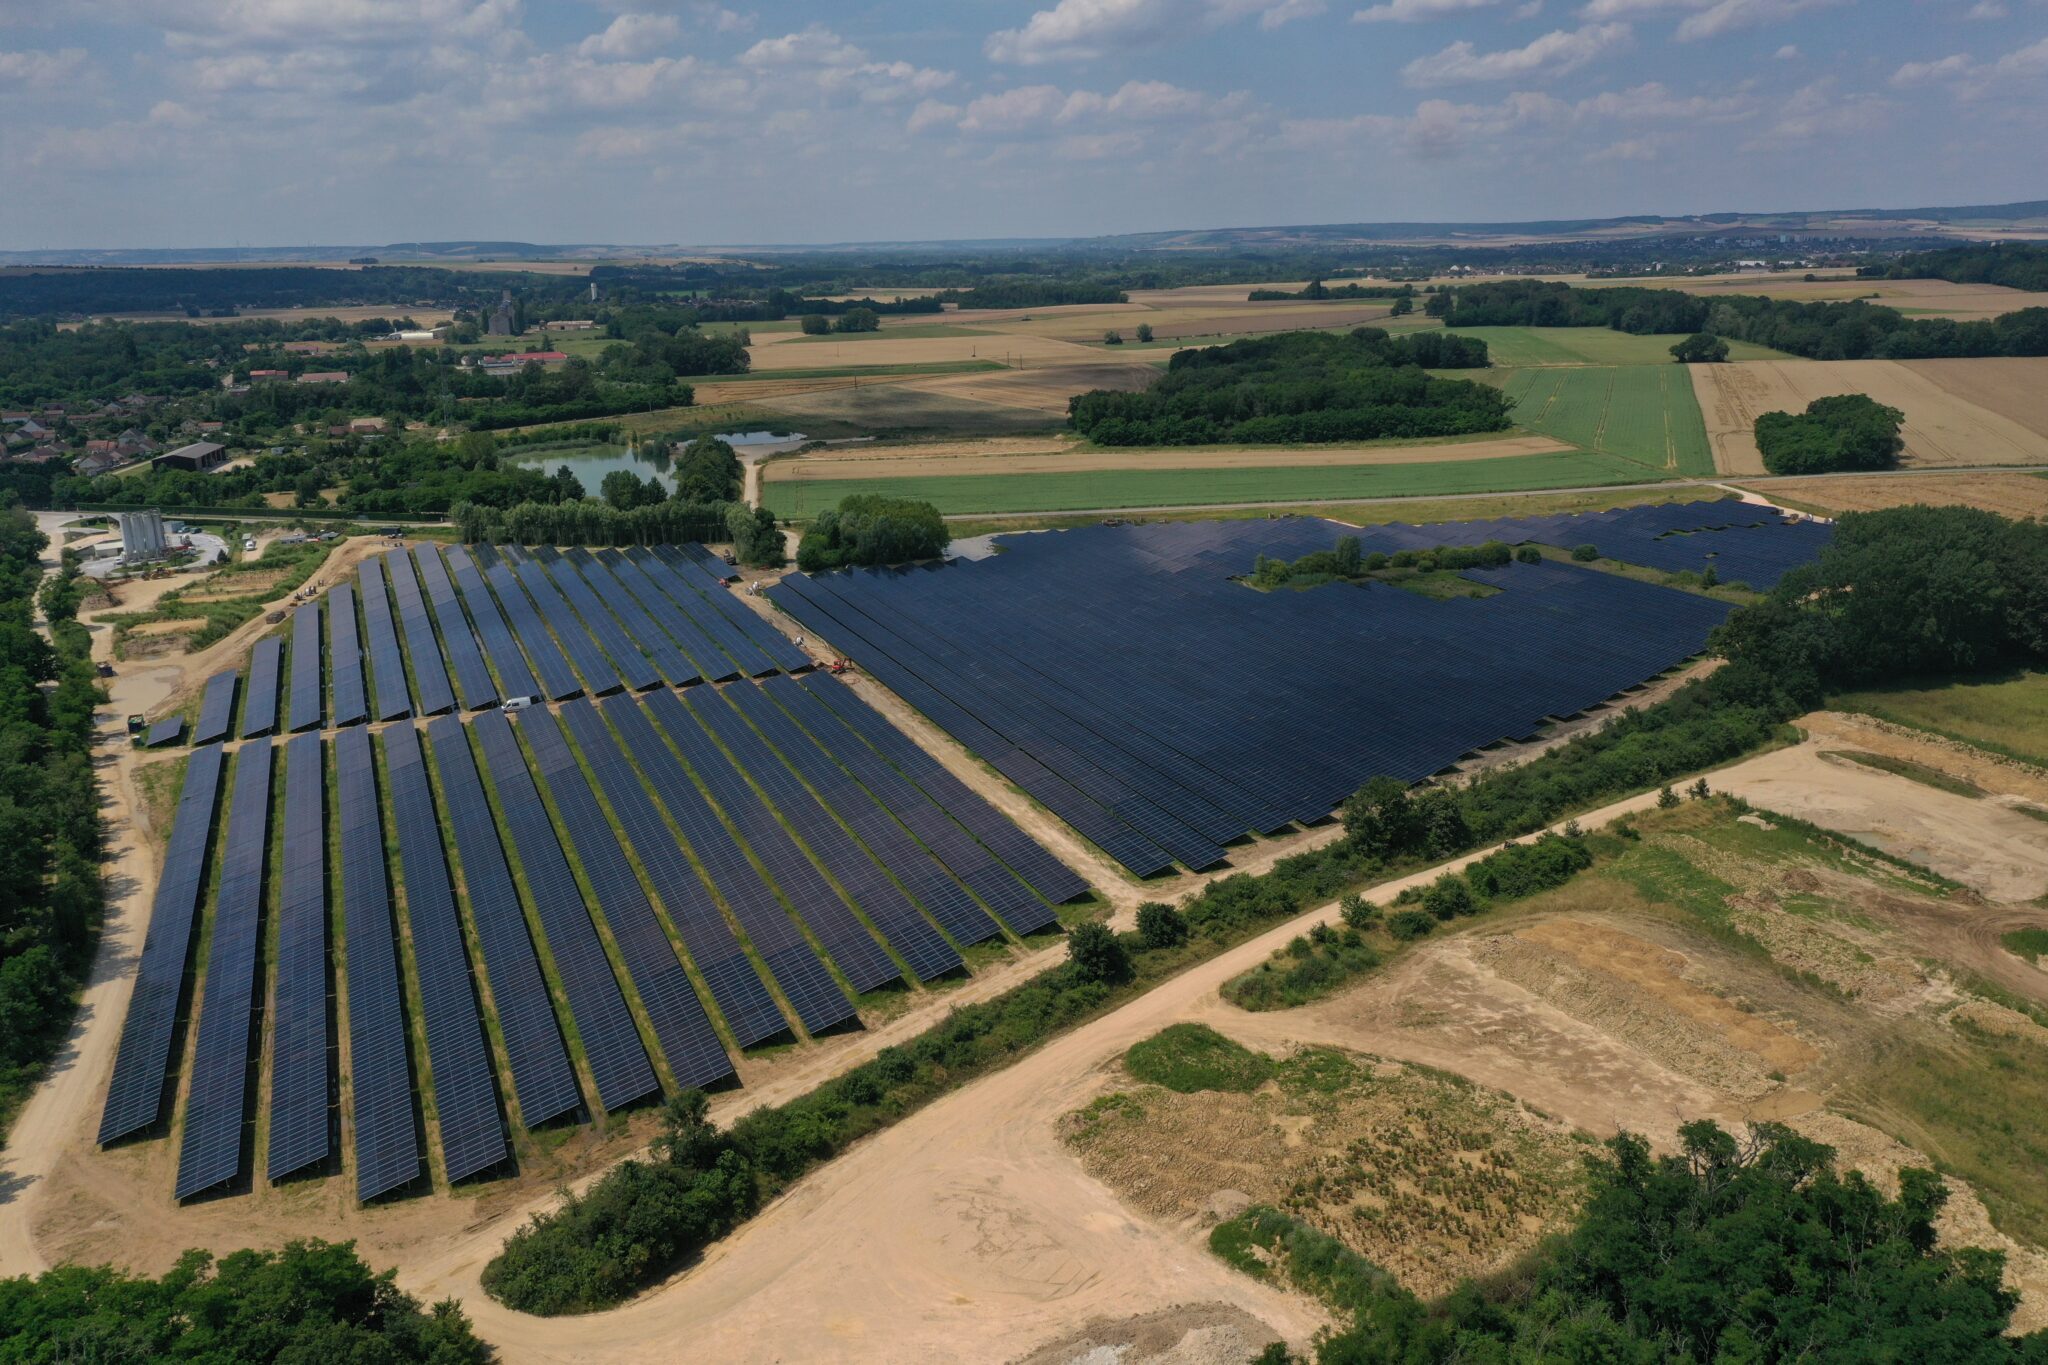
[(465, 1094), (472, 679), (169, 730), (259, 703), (1207, 710), (301, 1087), (387, 1145), (142, 1063), (217, 710), (217, 1104), (739, 851), (387, 662), (345, 655), (305, 708)]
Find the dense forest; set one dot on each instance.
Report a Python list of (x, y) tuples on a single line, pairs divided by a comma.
[(2016, 265), (311, 1302), (1819, 331), (1300, 387), (50, 895), (1849, 431)]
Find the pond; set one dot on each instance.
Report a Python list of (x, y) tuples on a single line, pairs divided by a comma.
[(591, 462)]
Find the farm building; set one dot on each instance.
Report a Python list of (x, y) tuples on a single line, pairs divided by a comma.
[(199, 456), (324, 377)]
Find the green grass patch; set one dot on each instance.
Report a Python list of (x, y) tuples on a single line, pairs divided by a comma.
[(1907, 768), (1643, 413), (2008, 716), (1192, 1057), (2031, 944), (1518, 346), (956, 495)]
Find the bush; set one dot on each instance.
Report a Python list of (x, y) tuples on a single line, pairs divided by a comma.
[(1529, 554), (1161, 926), (1585, 554), (1097, 955), (1410, 924), (815, 324), (1357, 912), (1450, 897)]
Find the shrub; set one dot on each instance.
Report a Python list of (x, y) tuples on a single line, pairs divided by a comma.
[(1529, 554), (1357, 911), (1096, 954), (1450, 897), (815, 324), (1410, 924), (1585, 554), (1193, 1057), (1161, 926)]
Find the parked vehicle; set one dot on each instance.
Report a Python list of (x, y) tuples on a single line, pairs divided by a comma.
[(519, 703)]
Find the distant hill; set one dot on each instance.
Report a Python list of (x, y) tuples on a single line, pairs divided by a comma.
[(1967, 222)]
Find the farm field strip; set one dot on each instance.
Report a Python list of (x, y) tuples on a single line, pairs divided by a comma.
[(1643, 413)]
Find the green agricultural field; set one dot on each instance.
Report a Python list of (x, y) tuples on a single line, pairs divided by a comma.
[(1643, 413), (1515, 347), (1000, 493), (2007, 717)]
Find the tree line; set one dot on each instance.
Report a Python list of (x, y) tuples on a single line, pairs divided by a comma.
[(2016, 265), (870, 529), (50, 893), (1300, 387), (1316, 289), (1856, 330)]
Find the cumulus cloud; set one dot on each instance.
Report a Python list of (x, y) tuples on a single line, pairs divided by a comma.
[(1554, 54), (814, 46), (631, 35), (1986, 9), (1442, 129), (30, 69), (1415, 11), (1028, 107), (1081, 30), (1708, 18), (1971, 78), (1788, 53)]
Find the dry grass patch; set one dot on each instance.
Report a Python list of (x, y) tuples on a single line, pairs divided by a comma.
[(2009, 495)]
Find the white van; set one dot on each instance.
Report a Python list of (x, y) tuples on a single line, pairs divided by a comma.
[(519, 703)]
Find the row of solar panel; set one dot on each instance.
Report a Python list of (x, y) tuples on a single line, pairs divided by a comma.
[(637, 618), (839, 850), (1208, 711)]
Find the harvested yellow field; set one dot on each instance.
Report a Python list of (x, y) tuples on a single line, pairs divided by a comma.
[(2014, 387), (1213, 320), (741, 391), (917, 461), (2009, 495), (1943, 426), (777, 351), (1045, 390)]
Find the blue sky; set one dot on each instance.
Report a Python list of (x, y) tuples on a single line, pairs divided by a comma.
[(266, 122)]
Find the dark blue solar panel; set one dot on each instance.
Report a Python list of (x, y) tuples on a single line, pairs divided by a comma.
[(472, 678), (944, 824), (217, 1106), (541, 1075), (306, 675), (301, 1079), (465, 1094), (217, 711), (558, 680), (345, 657), (804, 889), (387, 1144), (866, 884), (750, 1012), (169, 730), (628, 660), (691, 605), (431, 689), (500, 644), (259, 704), (604, 1025), (922, 875), (791, 960), (387, 661), (676, 667), (695, 1055), (142, 1065), (764, 637), (707, 659), (599, 677)]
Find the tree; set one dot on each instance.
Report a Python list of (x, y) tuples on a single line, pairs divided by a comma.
[(858, 320), (1847, 431), (1112, 338), (708, 470), (1144, 331), (625, 490), (815, 324), (870, 529), (1666, 799), (1161, 926), (1585, 554), (1357, 912), (756, 540), (1450, 897), (1380, 818), (1700, 348), (1403, 306), (1529, 554), (1096, 954)]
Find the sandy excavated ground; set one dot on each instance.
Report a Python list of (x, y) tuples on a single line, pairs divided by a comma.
[(894, 462), (2009, 495), (1944, 426)]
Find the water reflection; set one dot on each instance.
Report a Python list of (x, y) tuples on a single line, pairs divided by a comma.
[(590, 463)]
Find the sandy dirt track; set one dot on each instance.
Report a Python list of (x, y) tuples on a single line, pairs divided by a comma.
[(912, 462), (1943, 427), (2009, 495)]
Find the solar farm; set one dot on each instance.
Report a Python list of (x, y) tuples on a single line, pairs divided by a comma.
[(488, 917), (1125, 679)]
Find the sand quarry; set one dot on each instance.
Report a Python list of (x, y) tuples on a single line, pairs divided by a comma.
[(1959, 413)]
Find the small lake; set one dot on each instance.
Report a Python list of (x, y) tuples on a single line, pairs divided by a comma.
[(590, 463)]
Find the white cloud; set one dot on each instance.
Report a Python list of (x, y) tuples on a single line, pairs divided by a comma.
[(1026, 107), (1414, 11), (631, 35), (1818, 111), (1788, 53), (1628, 149), (30, 69), (1729, 15), (1927, 73), (814, 46), (1986, 9), (1553, 54), (1081, 30), (1971, 78)]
